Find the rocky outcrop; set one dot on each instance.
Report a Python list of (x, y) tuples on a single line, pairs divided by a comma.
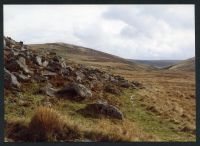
[(24, 65), (102, 108)]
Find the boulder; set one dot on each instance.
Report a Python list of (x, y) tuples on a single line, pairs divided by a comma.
[(137, 84), (125, 84), (10, 80), (112, 79), (54, 66), (111, 89), (74, 90), (16, 65), (103, 108), (48, 90), (79, 76), (40, 61), (21, 77), (64, 72), (9, 42), (106, 76)]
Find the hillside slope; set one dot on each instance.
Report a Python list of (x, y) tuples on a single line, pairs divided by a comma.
[(89, 56), (186, 65), (157, 63)]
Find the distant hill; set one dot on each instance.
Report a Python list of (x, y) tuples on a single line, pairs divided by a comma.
[(89, 56), (157, 63), (186, 65)]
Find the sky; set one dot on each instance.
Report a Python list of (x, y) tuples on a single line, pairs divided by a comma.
[(146, 32)]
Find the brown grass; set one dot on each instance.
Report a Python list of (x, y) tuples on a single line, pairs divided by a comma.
[(44, 124)]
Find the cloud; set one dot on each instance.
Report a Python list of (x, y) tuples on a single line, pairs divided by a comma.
[(129, 31)]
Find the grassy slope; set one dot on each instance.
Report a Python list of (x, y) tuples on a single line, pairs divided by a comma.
[(89, 56), (139, 124)]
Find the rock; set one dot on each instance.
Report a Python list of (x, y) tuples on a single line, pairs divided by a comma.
[(45, 63), (9, 42), (103, 108), (22, 77), (40, 61), (17, 65), (106, 76), (64, 72), (10, 80), (70, 68), (48, 90), (23, 103), (79, 76), (112, 79), (125, 84), (92, 77), (48, 73), (119, 78), (111, 89), (54, 66), (40, 78), (137, 84), (76, 90)]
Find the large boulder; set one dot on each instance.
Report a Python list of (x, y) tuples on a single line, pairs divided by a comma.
[(76, 91), (103, 108), (16, 65), (10, 80)]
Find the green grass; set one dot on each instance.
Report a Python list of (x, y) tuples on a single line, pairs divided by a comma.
[(149, 121), (135, 113)]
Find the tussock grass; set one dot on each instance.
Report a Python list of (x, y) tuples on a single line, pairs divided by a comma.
[(44, 124)]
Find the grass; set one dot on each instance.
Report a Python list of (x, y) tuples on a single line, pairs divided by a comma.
[(150, 122), (140, 124), (44, 123)]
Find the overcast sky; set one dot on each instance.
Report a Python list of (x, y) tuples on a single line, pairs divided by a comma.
[(128, 31)]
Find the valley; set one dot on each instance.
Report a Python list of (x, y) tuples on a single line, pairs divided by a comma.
[(95, 96)]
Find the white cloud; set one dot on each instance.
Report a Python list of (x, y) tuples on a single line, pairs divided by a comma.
[(129, 31)]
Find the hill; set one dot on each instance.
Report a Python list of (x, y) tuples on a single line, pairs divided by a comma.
[(157, 63), (48, 97), (186, 65), (88, 56)]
